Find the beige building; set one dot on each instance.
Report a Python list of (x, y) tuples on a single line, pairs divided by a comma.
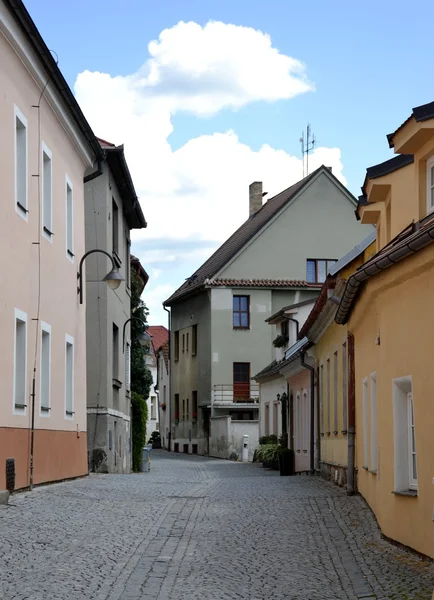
[(47, 148)]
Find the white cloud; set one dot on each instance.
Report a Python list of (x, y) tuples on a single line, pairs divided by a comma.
[(200, 191)]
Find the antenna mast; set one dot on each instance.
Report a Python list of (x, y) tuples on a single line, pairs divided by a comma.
[(307, 147)]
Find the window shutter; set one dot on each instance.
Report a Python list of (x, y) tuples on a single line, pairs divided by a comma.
[(128, 367)]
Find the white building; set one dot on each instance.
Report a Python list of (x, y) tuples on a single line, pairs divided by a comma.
[(160, 336)]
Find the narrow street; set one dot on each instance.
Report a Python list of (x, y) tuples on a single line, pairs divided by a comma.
[(198, 528)]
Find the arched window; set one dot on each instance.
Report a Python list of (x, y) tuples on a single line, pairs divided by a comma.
[(305, 421), (298, 422)]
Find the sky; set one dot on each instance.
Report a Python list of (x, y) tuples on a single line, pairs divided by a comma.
[(208, 96)]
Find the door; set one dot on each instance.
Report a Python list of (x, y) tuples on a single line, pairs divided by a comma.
[(241, 382)]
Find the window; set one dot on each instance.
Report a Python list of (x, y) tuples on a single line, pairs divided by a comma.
[(69, 220), (128, 367), (328, 398), (20, 362), (321, 398), (115, 227), (194, 406), (241, 313), (374, 423), (267, 419), (335, 393), (176, 415), (183, 342), (412, 462), (45, 368), (69, 377), (430, 184), (317, 269), (187, 410), (275, 419), (115, 368), (183, 409), (194, 341), (404, 425), (127, 263), (186, 339), (21, 176), (298, 421), (305, 421), (47, 192), (365, 424), (164, 394), (176, 357), (284, 329), (344, 388), (241, 389), (153, 408)]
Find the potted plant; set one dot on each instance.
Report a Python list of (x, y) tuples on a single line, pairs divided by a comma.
[(194, 417), (280, 341), (163, 406), (155, 439), (176, 417)]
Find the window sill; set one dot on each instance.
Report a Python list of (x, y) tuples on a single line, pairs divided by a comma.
[(22, 208), (373, 472), (335, 432), (328, 433), (409, 493), (70, 254), (47, 231), (344, 431), (45, 409), (117, 383), (20, 406), (366, 468), (241, 328), (69, 413)]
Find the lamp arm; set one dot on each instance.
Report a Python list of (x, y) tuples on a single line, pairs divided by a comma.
[(125, 326), (80, 269)]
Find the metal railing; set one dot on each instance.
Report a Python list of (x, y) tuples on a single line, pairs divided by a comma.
[(228, 393)]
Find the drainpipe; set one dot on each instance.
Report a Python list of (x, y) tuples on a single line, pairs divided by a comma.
[(318, 424), (297, 325), (351, 416), (170, 377), (94, 174), (312, 410)]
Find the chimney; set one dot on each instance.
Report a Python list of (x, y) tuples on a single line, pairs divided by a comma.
[(255, 197)]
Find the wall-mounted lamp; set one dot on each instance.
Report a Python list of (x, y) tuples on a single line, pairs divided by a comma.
[(113, 278), (143, 338)]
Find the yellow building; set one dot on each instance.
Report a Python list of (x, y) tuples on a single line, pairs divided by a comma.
[(334, 359), (388, 307)]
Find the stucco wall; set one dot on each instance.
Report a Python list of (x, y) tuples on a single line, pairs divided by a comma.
[(396, 306), (281, 249), (269, 391), (226, 439)]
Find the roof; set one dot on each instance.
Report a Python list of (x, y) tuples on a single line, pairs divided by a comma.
[(160, 335), (291, 355), (419, 113), (105, 142), (354, 253), (56, 78), (410, 240), (281, 312), (262, 283), (138, 268), (244, 234), (389, 166), (115, 157)]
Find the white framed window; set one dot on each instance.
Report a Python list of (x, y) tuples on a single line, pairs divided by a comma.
[(45, 378), (412, 459), (344, 388), (20, 363), (365, 424), (328, 408), (321, 398), (128, 367), (430, 184), (21, 163), (47, 192), (69, 377), (298, 421), (69, 207), (335, 393), (404, 429), (305, 421), (374, 435)]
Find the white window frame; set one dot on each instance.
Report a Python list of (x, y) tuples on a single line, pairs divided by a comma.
[(69, 340), (305, 404), (328, 406), (69, 251), (344, 388), (19, 315), (412, 481), (23, 212), (429, 184), (321, 398), (298, 423), (365, 424), (402, 390), (335, 393), (374, 422), (47, 224), (45, 413), (128, 367)]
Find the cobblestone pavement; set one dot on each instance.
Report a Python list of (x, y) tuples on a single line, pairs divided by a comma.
[(196, 528)]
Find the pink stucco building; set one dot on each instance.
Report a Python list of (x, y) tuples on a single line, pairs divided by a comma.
[(46, 149)]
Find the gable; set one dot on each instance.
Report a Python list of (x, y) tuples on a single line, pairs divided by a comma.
[(318, 223)]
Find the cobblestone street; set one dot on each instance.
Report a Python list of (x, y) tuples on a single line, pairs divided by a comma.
[(198, 528)]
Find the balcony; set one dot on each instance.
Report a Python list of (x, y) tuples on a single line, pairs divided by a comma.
[(245, 395)]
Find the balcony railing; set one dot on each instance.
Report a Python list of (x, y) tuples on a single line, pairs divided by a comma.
[(226, 394)]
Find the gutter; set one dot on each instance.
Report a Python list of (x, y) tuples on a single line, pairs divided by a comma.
[(416, 242), (169, 323), (312, 409)]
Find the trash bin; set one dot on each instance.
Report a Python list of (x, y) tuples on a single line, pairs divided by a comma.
[(146, 459), (286, 462)]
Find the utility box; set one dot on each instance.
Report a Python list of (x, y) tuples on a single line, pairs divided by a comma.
[(145, 465), (245, 449)]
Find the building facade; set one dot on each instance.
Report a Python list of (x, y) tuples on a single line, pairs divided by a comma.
[(160, 336), (47, 148), (163, 388), (219, 336), (112, 210), (387, 305)]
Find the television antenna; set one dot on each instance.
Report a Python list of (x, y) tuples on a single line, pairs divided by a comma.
[(306, 147)]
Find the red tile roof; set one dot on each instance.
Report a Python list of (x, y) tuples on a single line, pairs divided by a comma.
[(165, 350), (105, 143), (160, 336), (244, 234), (260, 283)]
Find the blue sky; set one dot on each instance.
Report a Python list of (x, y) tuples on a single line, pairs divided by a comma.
[(365, 64)]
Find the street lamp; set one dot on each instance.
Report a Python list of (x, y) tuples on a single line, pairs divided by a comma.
[(113, 278), (143, 338), (284, 400)]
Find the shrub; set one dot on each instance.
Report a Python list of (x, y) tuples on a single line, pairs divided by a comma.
[(268, 439), (139, 415)]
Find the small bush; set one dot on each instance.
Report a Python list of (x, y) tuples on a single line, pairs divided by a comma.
[(139, 415), (268, 439)]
